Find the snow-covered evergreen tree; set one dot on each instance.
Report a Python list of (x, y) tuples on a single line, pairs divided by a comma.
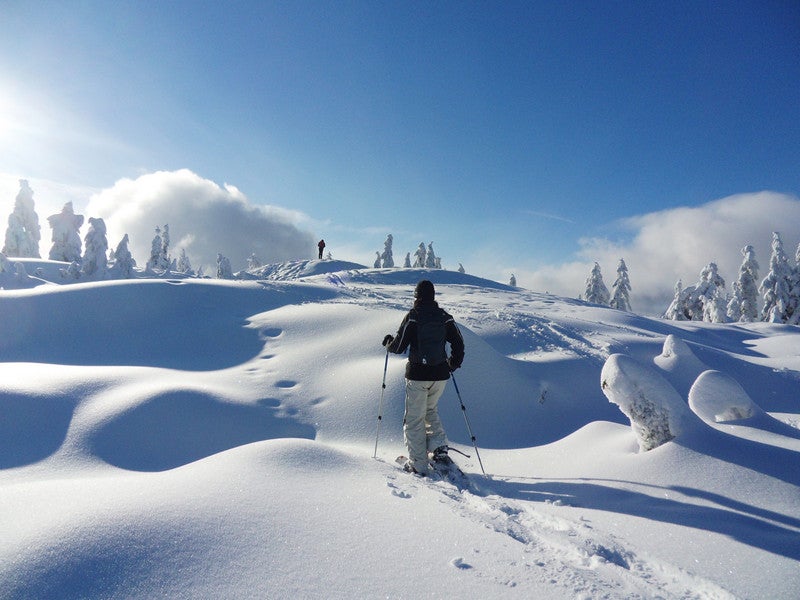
[(596, 290), (745, 291), (377, 263), (407, 261), (430, 258), (386, 257), (123, 264), (776, 287), (461, 268), (419, 256), (66, 239), (154, 261), (253, 262), (513, 281), (183, 265), (676, 311), (714, 308), (23, 233), (621, 289), (697, 302), (224, 270), (165, 260), (95, 259)]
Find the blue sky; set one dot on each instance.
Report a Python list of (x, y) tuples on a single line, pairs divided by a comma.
[(504, 132)]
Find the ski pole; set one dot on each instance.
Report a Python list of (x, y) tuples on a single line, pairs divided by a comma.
[(380, 404), (469, 428)]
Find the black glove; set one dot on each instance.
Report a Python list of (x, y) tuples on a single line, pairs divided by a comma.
[(452, 364), (387, 340)]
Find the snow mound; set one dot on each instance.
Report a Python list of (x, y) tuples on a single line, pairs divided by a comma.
[(656, 411), (13, 276), (680, 365), (716, 397), (288, 271)]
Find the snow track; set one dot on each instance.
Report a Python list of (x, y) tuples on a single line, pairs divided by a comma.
[(569, 553)]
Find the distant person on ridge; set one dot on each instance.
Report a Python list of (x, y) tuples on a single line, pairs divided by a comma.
[(424, 332), (321, 246)]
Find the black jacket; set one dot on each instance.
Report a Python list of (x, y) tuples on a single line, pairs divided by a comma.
[(407, 336)]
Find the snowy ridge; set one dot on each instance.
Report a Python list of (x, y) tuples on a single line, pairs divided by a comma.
[(192, 438)]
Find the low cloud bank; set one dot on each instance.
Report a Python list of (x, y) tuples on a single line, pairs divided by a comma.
[(676, 244), (204, 219)]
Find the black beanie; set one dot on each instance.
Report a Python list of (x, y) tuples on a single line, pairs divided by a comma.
[(424, 291)]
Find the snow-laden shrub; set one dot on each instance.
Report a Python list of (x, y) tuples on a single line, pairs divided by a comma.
[(656, 411), (717, 397)]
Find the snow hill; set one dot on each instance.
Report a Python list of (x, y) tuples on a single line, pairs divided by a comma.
[(195, 438)]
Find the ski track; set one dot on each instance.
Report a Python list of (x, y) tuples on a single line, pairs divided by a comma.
[(563, 552)]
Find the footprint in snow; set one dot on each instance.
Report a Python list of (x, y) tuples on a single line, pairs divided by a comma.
[(459, 563)]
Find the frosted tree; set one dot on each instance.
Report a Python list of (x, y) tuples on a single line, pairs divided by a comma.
[(123, 263), (377, 263), (621, 289), (407, 261), (743, 306), (461, 268), (714, 308), (253, 262), (513, 281), (676, 311), (696, 301), (154, 262), (386, 257), (734, 310), (430, 258), (776, 287), (165, 259), (183, 265), (419, 256), (795, 291), (224, 270), (66, 239), (23, 233), (596, 290), (95, 259)]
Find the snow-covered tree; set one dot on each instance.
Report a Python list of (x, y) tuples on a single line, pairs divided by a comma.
[(513, 281), (165, 258), (734, 310), (183, 265), (714, 308), (776, 287), (23, 233), (159, 251), (407, 261), (700, 301), (386, 257), (66, 239), (377, 263), (461, 268), (95, 259), (430, 258), (253, 262), (122, 264), (621, 289), (676, 310), (419, 256), (224, 270), (743, 306), (596, 290), (794, 292)]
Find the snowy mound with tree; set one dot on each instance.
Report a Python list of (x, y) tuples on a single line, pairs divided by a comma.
[(183, 438)]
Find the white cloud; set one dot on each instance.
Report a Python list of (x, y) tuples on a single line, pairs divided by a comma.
[(676, 244), (203, 218)]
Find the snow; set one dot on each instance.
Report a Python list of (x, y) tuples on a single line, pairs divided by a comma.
[(184, 438)]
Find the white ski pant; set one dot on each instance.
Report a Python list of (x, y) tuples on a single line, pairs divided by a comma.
[(422, 428)]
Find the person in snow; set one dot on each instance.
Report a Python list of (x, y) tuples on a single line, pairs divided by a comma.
[(425, 331), (321, 246)]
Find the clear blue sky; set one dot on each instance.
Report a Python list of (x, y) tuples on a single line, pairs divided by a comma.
[(514, 127)]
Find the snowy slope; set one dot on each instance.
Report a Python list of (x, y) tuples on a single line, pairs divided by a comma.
[(189, 438)]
